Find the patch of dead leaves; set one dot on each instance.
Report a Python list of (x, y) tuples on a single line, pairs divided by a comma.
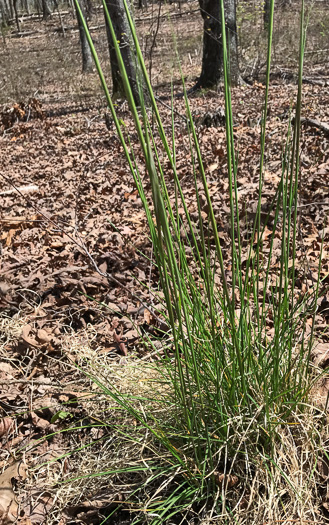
[(8, 502)]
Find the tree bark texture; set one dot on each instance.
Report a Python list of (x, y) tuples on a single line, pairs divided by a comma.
[(5, 13), (16, 16), (87, 59), (11, 8), (26, 5), (124, 38), (232, 41), (212, 57), (142, 4), (46, 12)]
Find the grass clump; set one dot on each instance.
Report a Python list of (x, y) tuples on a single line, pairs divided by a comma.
[(228, 431)]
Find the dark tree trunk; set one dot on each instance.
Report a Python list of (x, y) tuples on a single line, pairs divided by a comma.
[(27, 7), (46, 13), (89, 8), (212, 58), (122, 30), (11, 8), (56, 5), (16, 15), (87, 59), (5, 13), (38, 8)]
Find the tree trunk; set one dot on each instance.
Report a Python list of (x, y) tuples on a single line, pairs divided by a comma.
[(16, 16), (232, 42), (90, 8), (212, 58), (38, 7), (46, 13), (5, 13), (122, 30), (11, 8), (56, 5), (26, 6), (87, 58)]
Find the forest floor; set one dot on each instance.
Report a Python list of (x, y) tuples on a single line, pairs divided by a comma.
[(70, 212)]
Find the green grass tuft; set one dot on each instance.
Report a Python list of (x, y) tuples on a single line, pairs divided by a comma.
[(229, 404)]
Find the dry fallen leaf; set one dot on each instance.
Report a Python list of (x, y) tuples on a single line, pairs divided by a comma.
[(5, 425), (26, 336), (38, 508), (43, 336), (8, 503), (320, 354), (227, 480), (39, 422), (148, 317)]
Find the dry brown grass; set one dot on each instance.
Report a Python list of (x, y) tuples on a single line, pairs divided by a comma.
[(289, 488)]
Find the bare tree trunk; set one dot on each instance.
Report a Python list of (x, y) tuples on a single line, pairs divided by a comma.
[(38, 7), (16, 15), (232, 41), (5, 13), (90, 8), (56, 5), (46, 13), (87, 58), (11, 8), (122, 30), (212, 58), (26, 6)]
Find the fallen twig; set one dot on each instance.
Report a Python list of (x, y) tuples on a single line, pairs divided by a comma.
[(23, 189), (316, 124)]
